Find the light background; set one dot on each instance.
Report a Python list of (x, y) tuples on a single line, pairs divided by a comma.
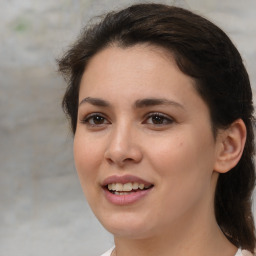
[(42, 207)]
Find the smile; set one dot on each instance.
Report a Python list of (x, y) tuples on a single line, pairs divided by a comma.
[(125, 189)]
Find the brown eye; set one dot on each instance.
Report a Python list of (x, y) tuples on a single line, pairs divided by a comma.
[(158, 119), (95, 120)]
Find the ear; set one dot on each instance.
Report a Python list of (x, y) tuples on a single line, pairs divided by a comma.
[(230, 146)]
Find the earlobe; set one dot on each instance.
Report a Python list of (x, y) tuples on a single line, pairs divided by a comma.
[(230, 147)]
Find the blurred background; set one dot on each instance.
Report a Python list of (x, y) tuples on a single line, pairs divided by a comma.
[(42, 207)]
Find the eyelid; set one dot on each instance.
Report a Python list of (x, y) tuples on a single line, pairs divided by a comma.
[(159, 114), (86, 118)]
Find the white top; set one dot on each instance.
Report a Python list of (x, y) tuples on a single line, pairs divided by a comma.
[(108, 253), (243, 253), (239, 253)]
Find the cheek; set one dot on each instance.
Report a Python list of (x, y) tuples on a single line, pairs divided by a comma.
[(87, 156), (88, 151), (190, 152), (171, 155), (184, 166)]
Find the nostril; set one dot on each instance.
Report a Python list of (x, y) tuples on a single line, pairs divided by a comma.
[(128, 159), (110, 161), (120, 161)]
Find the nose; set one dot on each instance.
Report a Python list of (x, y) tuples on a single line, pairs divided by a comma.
[(123, 146)]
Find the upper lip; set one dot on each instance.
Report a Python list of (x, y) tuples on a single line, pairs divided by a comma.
[(124, 179)]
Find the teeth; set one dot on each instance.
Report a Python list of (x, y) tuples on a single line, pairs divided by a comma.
[(127, 187), (119, 187), (120, 193), (141, 186), (135, 185)]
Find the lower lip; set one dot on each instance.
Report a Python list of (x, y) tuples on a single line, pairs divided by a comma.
[(126, 199)]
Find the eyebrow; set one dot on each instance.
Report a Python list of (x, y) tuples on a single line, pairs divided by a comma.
[(138, 103), (155, 101), (95, 102)]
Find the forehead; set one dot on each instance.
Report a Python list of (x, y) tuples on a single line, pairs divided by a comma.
[(141, 64)]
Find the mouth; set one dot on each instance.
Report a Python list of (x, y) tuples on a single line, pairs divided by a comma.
[(127, 188)]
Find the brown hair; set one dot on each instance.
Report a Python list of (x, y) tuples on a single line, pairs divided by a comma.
[(204, 52)]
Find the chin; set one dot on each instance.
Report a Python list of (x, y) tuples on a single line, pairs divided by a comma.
[(127, 226)]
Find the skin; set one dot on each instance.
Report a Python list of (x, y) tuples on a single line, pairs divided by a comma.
[(176, 152)]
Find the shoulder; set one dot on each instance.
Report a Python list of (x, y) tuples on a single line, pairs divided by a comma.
[(108, 253)]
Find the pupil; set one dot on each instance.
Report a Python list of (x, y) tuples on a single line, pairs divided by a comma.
[(98, 120), (157, 119)]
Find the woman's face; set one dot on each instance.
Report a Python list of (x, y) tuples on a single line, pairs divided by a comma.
[(141, 123)]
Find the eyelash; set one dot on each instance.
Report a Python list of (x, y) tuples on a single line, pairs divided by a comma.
[(86, 120), (166, 120)]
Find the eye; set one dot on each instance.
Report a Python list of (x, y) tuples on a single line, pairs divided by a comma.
[(158, 119), (95, 119)]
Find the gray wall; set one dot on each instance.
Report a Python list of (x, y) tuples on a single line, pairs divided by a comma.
[(42, 207)]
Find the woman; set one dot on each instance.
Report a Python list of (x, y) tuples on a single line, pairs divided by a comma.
[(161, 110)]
